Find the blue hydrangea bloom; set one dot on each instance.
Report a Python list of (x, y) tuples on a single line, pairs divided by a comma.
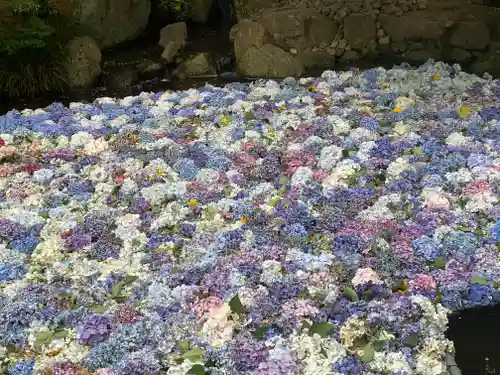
[(495, 231), (24, 367), (349, 366), (294, 230), (186, 168), (12, 271), (25, 245), (478, 295), (427, 248), (460, 243)]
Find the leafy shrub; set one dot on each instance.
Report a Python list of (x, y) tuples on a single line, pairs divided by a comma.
[(33, 35), (177, 7)]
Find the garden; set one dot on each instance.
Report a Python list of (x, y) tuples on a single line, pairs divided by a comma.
[(314, 226)]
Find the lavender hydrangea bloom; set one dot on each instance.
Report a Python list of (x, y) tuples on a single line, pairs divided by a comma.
[(95, 329)]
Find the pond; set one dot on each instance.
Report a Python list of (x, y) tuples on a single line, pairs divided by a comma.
[(474, 332)]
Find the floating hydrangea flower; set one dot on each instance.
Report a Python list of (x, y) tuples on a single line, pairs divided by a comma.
[(263, 228), (24, 367), (95, 329), (427, 248)]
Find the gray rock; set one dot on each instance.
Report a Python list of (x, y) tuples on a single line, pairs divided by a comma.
[(460, 55), (419, 56), (415, 46), (250, 8), (201, 64), (235, 29), (350, 55), (312, 60), (471, 35), (268, 61), (385, 40), (122, 79), (83, 62), (250, 34), (299, 28), (172, 38), (149, 69), (486, 63), (112, 21), (416, 25), (495, 47), (360, 30)]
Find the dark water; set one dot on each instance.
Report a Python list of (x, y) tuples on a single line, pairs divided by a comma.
[(475, 333)]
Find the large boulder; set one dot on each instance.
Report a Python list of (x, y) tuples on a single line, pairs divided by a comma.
[(471, 35), (112, 21), (83, 62), (418, 25), (298, 28), (487, 63), (122, 79), (201, 64), (250, 8), (316, 60), (149, 69), (360, 30), (172, 38), (248, 34), (268, 61)]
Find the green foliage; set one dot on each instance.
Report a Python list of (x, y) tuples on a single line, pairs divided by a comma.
[(33, 36), (177, 7)]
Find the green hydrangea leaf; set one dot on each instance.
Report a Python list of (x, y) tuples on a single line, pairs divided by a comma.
[(197, 370), (351, 293), (368, 352), (478, 280), (322, 329), (236, 305)]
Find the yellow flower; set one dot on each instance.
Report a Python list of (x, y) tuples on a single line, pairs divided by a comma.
[(397, 110), (282, 108), (192, 203), (313, 89), (244, 220), (150, 179), (463, 112), (436, 77), (385, 85), (160, 171)]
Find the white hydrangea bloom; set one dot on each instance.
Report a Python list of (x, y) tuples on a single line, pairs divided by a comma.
[(391, 362), (397, 167), (271, 272)]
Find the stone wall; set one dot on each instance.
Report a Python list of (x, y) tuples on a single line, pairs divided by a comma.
[(315, 31)]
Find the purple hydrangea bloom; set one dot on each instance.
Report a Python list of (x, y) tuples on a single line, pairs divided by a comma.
[(95, 329)]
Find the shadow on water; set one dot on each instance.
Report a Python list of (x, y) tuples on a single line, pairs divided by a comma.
[(154, 85), (475, 333)]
